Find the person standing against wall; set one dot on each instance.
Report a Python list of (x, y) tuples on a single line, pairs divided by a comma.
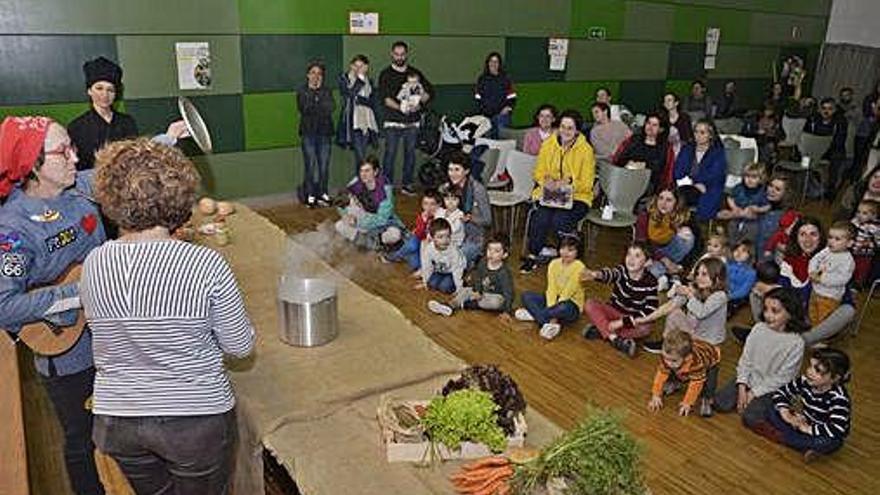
[(101, 123), (404, 91), (315, 102), (357, 127), (495, 95)]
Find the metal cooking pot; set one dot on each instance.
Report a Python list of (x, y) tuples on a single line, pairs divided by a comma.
[(307, 311)]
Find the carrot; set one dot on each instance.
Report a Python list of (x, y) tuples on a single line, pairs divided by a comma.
[(486, 462), (504, 489), (499, 476)]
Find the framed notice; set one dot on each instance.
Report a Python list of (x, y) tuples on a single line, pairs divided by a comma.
[(193, 65), (363, 22)]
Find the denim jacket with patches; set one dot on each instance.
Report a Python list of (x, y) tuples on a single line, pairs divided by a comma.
[(40, 238)]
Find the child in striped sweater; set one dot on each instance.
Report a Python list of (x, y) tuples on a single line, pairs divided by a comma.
[(812, 414), (690, 361), (633, 298)]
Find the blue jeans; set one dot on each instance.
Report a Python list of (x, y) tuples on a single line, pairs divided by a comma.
[(409, 251), (442, 282), (359, 141), (499, 121), (393, 136), (675, 250), (316, 156), (563, 311), (801, 441), (544, 220)]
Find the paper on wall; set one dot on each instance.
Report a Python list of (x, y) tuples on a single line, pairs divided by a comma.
[(713, 36), (363, 22), (557, 48), (193, 65), (709, 62)]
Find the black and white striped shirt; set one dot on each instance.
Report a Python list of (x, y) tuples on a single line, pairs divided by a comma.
[(828, 413), (635, 298), (162, 315)]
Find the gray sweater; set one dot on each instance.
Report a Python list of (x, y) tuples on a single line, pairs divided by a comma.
[(769, 360), (450, 261), (711, 316)]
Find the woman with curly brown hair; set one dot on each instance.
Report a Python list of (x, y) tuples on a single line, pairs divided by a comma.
[(163, 313), (665, 226)]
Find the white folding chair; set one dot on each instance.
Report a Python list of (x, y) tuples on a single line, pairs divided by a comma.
[(520, 166)]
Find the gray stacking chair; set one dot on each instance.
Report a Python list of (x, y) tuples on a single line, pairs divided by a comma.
[(814, 147), (622, 187)]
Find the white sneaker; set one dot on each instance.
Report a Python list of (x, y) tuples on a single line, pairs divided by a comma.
[(439, 308), (522, 314), (550, 330), (548, 252)]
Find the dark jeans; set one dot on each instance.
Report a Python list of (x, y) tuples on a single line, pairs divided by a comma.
[(68, 395), (393, 136), (359, 141), (442, 282), (171, 455), (725, 401), (545, 220), (797, 440), (499, 122), (316, 156), (563, 311)]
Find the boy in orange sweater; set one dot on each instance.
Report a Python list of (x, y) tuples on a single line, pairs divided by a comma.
[(692, 361)]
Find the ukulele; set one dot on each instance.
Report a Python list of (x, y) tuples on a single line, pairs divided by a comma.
[(48, 339)]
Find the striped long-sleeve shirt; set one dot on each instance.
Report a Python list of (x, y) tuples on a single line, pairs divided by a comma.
[(828, 412), (633, 298), (162, 314), (694, 370)]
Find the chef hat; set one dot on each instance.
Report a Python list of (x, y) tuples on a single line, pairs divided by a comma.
[(101, 69)]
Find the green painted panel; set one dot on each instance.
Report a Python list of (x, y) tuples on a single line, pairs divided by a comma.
[(649, 21), (642, 96), (48, 69), (691, 23), (60, 112), (251, 173), (115, 17), (222, 114), (151, 68), (278, 62), (443, 60), (454, 100), (601, 13), (771, 29), (527, 60), (497, 17), (270, 120), (331, 16), (575, 95), (744, 61), (803, 7), (681, 87), (593, 60), (686, 60)]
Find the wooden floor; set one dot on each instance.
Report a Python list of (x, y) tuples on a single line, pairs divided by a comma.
[(561, 378)]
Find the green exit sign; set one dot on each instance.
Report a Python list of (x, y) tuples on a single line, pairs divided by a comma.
[(596, 33)]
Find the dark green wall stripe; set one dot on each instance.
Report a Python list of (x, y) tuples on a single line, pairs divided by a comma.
[(278, 62), (48, 69), (642, 96), (686, 60), (616, 60), (691, 24), (527, 60)]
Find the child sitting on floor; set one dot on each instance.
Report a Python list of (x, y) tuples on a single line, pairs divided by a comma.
[(830, 270), (633, 298), (741, 276), (564, 298), (867, 242), (492, 284), (716, 247), (812, 414), (442, 263), (452, 213), (688, 360), (410, 250), (770, 358)]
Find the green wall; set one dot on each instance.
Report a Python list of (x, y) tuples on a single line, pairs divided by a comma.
[(260, 48)]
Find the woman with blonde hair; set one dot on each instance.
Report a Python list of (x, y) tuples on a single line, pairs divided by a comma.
[(665, 226)]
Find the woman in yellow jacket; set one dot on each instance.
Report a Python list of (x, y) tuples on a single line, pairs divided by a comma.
[(564, 175)]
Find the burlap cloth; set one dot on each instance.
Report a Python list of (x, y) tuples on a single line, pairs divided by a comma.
[(315, 409)]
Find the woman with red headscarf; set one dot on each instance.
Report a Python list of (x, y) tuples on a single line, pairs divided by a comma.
[(49, 223)]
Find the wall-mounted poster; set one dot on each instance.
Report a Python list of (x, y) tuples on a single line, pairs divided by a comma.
[(557, 48), (363, 22), (193, 65)]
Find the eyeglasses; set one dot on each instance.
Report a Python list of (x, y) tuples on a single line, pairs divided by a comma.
[(68, 150)]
